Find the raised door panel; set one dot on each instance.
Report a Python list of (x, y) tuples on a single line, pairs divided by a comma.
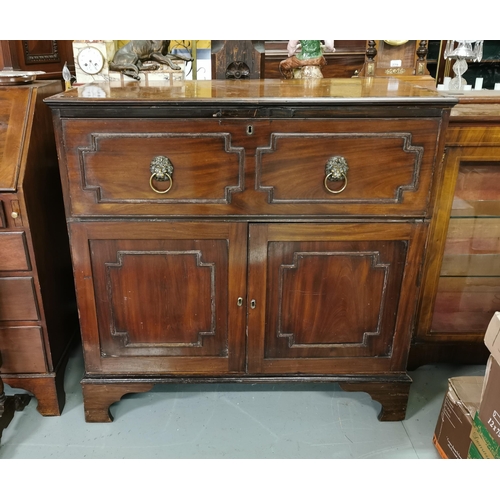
[(166, 297), (332, 298), (161, 295)]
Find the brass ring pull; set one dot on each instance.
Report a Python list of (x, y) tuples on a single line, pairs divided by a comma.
[(336, 170), (335, 179), (161, 169), (156, 190)]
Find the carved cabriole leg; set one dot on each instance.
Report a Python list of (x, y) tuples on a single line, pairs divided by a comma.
[(393, 396), (97, 398)]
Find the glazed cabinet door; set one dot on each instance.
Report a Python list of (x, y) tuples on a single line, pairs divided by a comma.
[(332, 298), (463, 269), (161, 297)]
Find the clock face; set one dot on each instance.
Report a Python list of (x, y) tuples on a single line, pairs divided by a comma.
[(90, 60)]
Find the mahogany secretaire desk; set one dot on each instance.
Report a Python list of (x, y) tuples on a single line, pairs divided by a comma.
[(38, 317), (249, 231)]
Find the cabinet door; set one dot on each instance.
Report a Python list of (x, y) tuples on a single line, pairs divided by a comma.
[(332, 298), (161, 297), (462, 290)]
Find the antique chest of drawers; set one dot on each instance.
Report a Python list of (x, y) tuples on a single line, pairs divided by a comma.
[(248, 231), (38, 317)]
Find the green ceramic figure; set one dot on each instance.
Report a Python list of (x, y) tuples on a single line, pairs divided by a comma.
[(309, 49), (306, 62)]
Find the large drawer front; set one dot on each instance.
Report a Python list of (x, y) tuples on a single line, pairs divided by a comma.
[(22, 350), (109, 165), (13, 252), (17, 300), (250, 167), (380, 168)]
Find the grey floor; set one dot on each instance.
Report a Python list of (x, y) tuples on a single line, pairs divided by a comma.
[(235, 421)]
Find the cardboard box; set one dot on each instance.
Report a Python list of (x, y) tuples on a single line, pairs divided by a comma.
[(453, 429), (473, 452), (483, 441), (489, 408), (492, 337)]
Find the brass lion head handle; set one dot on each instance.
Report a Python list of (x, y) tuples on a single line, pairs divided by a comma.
[(336, 170), (161, 169)]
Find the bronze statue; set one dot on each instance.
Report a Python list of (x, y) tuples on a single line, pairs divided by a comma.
[(131, 57)]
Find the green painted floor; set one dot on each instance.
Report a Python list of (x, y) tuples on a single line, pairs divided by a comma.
[(304, 421)]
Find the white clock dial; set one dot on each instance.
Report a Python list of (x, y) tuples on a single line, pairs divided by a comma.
[(90, 60)]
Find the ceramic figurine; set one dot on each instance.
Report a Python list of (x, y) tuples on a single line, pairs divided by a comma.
[(308, 62)]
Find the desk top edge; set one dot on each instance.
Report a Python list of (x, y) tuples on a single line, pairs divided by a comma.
[(337, 91)]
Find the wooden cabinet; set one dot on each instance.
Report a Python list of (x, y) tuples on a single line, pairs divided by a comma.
[(331, 295), (462, 273), (253, 260), (48, 56), (37, 299)]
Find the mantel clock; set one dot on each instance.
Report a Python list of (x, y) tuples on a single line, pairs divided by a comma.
[(92, 59)]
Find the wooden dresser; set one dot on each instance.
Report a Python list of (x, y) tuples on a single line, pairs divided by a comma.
[(37, 299), (249, 231), (462, 272)]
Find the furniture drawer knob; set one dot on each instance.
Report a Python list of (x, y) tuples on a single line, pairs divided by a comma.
[(14, 215), (336, 170), (161, 169)]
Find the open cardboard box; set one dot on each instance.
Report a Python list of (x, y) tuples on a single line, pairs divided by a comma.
[(482, 441), (485, 432), (489, 409), (492, 337), (462, 431), (454, 425)]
